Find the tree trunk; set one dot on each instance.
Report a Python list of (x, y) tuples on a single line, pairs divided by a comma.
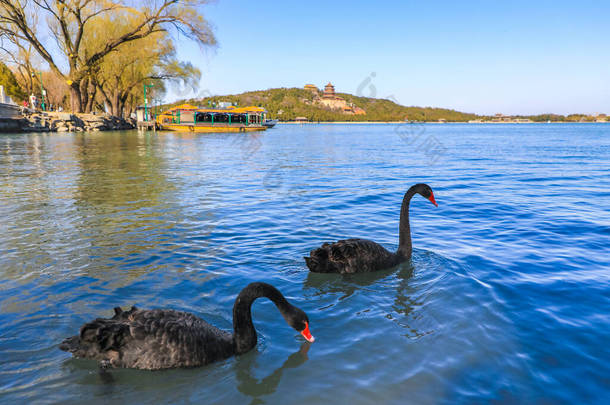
[(116, 103), (91, 100), (75, 98), (122, 102), (84, 94)]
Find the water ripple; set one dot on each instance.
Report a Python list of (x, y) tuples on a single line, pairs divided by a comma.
[(505, 299)]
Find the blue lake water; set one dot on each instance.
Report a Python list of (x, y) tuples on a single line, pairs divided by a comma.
[(506, 300)]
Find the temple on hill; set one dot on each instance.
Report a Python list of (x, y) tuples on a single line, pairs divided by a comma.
[(330, 100), (329, 91)]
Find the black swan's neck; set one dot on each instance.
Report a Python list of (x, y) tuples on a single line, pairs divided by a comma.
[(404, 229), (244, 337)]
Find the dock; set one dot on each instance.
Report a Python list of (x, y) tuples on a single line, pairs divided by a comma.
[(146, 126)]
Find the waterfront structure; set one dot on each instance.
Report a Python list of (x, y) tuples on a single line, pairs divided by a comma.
[(188, 118), (501, 118)]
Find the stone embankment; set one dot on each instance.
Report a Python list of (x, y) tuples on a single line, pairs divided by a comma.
[(40, 121)]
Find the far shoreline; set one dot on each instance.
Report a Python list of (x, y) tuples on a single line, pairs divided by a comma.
[(431, 122)]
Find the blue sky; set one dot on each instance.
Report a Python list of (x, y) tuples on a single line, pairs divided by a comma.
[(473, 56)]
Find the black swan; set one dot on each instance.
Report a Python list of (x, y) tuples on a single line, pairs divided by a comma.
[(157, 339), (361, 255)]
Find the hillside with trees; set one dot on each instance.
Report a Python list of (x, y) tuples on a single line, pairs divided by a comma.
[(288, 103)]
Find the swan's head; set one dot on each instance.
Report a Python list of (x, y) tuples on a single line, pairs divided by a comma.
[(300, 322), (426, 192)]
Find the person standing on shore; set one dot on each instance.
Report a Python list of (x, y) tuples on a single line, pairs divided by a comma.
[(33, 101)]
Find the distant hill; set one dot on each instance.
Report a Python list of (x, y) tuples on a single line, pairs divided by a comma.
[(288, 103)]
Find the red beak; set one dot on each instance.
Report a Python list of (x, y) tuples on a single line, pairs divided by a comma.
[(431, 198), (307, 334)]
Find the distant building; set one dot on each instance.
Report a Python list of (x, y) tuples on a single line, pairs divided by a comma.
[(501, 118), (329, 91), (311, 88), (301, 119), (330, 100)]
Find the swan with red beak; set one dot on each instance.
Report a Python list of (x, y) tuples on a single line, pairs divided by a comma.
[(362, 255)]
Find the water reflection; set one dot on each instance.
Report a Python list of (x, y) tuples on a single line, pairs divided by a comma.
[(94, 201), (108, 166), (122, 384), (120, 191), (396, 282), (253, 387), (346, 284), (33, 202)]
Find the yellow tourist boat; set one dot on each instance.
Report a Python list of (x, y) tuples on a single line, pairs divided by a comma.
[(188, 118)]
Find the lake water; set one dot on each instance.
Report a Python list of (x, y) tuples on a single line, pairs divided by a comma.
[(507, 298)]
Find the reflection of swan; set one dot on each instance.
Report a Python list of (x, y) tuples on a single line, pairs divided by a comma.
[(361, 255), (156, 339), (347, 285), (253, 387), (401, 283)]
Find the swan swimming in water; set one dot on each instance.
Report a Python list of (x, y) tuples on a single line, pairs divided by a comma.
[(164, 338), (361, 255)]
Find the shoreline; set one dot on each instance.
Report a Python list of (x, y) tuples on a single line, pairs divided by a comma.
[(54, 121), (432, 122)]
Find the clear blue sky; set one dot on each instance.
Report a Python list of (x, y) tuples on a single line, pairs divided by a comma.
[(474, 56)]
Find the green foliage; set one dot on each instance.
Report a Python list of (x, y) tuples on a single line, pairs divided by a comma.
[(75, 38), (545, 117), (11, 87), (579, 118), (294, 102)]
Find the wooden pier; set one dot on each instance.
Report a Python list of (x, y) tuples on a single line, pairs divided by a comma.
[(146, 125)]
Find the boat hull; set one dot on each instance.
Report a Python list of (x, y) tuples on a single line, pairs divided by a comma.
[(270, 123), (209, 128)]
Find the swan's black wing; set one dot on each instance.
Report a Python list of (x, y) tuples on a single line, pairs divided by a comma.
[(350, 256), (150, 339)]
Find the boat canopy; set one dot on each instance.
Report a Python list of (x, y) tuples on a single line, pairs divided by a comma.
[(232, 110)]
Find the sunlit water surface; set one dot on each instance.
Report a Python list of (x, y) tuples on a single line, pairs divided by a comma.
[(507, 298)]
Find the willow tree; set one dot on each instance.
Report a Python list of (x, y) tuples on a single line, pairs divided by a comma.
[(69, 21), (119, 77), (23, 60), (11, 87)]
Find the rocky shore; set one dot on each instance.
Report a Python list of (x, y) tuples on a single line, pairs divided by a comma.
[(39, 121)]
